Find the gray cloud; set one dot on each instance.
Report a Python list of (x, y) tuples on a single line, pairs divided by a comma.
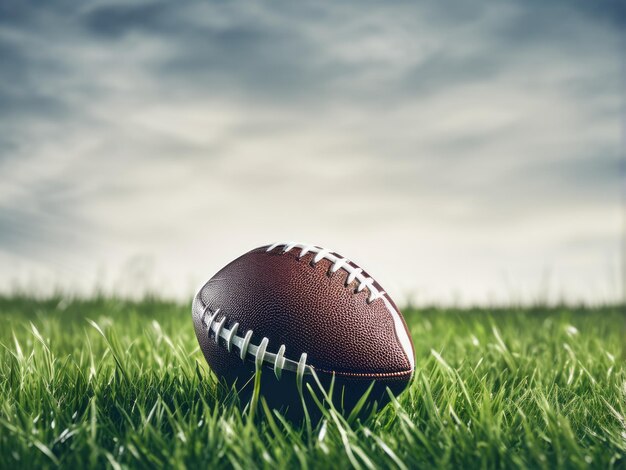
[(115, 20), (159, 129)]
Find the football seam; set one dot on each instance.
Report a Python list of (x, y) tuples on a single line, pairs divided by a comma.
[(354, 272), (277, 360), (366, 375), (259, 352)]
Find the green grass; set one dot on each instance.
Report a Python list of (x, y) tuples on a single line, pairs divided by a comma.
[(539, 388)]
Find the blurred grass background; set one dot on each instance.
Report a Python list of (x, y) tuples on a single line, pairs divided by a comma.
[(107, 382)]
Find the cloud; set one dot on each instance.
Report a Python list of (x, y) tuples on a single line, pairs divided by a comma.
[(114, 20), (446, 144)]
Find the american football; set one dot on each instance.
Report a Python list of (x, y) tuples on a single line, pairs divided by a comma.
[(294, 311)]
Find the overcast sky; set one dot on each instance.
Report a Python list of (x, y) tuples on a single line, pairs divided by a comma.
[(460, 152)]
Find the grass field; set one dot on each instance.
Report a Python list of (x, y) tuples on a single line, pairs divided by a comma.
[(123, 384)]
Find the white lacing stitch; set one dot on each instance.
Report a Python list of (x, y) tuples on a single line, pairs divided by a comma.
[(258, 353), (338, 263)]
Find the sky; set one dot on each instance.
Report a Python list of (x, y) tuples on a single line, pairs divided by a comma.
[(461, 153)]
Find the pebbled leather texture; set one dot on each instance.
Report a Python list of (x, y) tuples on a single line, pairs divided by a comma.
[(294, 302)]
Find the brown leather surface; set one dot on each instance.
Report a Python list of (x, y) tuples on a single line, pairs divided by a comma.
[(284, 298)]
